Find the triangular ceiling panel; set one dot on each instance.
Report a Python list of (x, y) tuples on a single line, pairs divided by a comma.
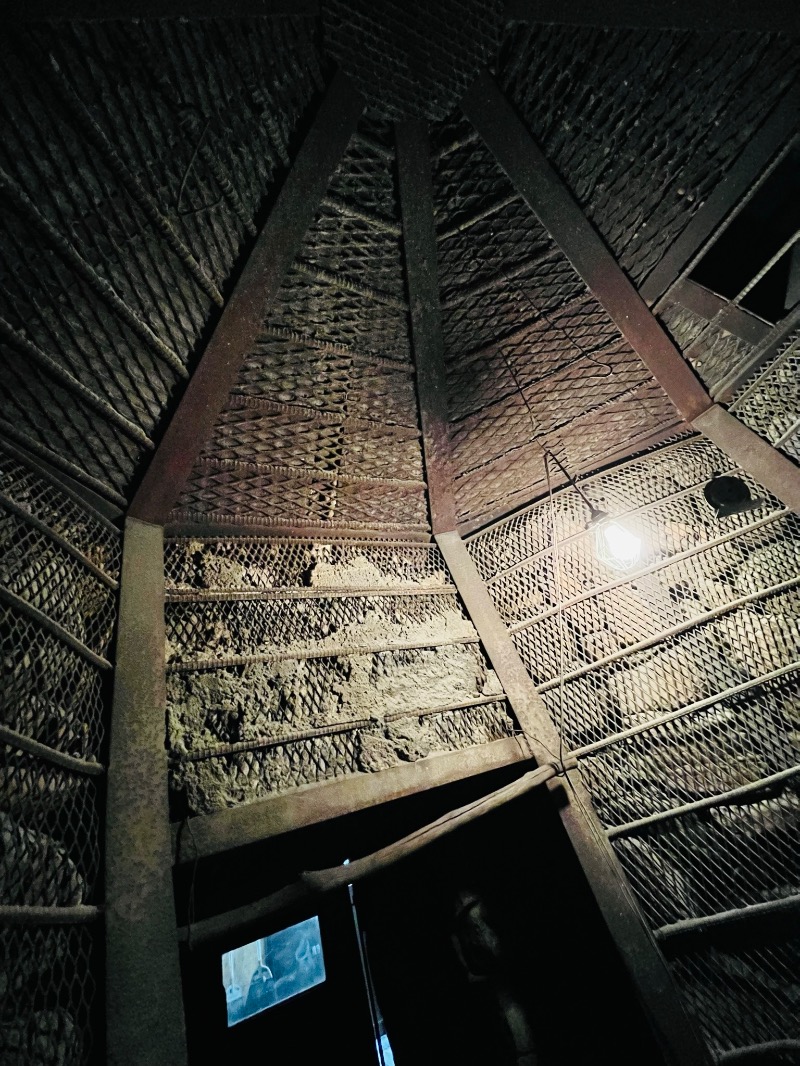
[(321, 428)]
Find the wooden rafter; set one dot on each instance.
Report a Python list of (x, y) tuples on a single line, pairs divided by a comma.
[(419, 238), (515, 149), (242, 318)]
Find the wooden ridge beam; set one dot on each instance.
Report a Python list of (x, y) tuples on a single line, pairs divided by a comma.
[(241, 321), (419, 233), (213, 834), (515, 149)]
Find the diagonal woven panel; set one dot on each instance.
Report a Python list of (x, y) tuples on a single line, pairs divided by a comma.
[(581, 445), (770, 402), (412, 58), (717, 352), (643, 125), (322, 427)]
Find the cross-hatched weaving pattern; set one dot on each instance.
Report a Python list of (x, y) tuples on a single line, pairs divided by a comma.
[(243, 564), (47, 1009), (744, 995), (216, 629), (293, 661), (609, 108), (711, 350), (93, 536), (135, 162), (532, 361), (46, 575), (51, 846), (598, 435), (676, 685), (322, 426), (412, 58), (770, 402), (715, 860), (230, 779), (48, 691)]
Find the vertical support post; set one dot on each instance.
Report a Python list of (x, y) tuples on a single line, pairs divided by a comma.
[(646, 965), (419, 239), (144, 999)]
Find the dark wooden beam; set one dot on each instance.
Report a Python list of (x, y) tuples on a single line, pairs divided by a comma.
[(543, 190), (145, 1023), (676, 1035), (707, 15), (213, 834), (110, 10), (419, 234), (749, 171), (242, 318)]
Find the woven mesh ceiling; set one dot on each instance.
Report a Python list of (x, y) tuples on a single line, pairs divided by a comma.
[(412, 59)]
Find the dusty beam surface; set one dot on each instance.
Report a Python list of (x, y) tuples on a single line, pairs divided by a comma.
[(145, 1009)]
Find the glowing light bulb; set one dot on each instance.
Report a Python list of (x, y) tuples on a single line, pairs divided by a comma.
[(616, 546)]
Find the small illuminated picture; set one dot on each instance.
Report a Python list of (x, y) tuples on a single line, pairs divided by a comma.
[(259, 975)]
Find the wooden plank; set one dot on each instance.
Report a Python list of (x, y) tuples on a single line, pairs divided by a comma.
[(145, 1023), (675, 1033), (706, 15), (419, 233), (511, 142), (241, 321), (215, 833)]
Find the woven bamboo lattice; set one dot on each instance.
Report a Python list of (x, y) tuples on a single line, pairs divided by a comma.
[(135, 160), (292, 662), (322, 425), (532, 360), (58, 578), (676, 684), (643, 125)]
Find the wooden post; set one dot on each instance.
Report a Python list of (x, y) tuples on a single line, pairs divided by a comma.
[(144, 999)]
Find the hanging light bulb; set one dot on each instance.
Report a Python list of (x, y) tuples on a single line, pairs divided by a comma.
[(614, 544)]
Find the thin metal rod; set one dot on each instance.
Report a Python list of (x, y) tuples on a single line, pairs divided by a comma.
[(51, 755), (709, 701), (344, 207), (30, 463), (667, 560), (788, 905), (723, 799), (56, 630), (80, 914), (479, 216), (313, 653), (36, 523), (758, 1054), (484, 285), (88, 274), (333, 729), (673, 631), (315, 883), (304, 473), (339, 281), (316, 593), (66, 379), (41, 451)]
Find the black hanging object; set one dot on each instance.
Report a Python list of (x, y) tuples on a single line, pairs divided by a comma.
[(730, 495)]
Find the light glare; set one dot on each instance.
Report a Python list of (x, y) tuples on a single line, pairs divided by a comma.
[(617, 547)]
